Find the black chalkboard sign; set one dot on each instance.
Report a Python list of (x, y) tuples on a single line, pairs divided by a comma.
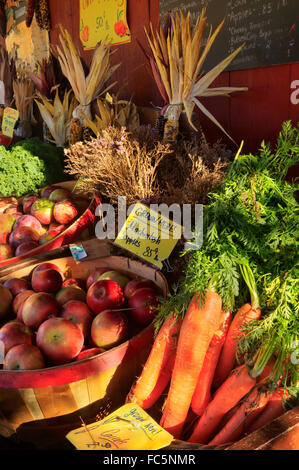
[(269, 29)]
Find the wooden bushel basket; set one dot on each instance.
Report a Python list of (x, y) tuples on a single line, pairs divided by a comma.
[(70, 234), (41, 406)]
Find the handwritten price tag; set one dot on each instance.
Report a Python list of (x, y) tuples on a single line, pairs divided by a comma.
[(128, 428), (149, 235), (10, 117)]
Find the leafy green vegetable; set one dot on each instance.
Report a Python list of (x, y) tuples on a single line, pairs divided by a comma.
[(27, 166), (252, 220)]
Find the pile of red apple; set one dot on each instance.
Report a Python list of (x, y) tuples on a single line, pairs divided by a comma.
[(47, 321), (37, 219)]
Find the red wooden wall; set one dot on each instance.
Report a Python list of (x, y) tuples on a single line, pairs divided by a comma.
[(253, 116)]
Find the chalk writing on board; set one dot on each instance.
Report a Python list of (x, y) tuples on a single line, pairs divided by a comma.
[(268, 29)]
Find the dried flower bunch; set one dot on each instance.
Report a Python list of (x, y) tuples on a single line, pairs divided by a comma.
[(116, 164), (193, 170), (137, 165)]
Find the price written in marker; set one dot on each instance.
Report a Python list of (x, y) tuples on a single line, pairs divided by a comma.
[(10, 117), (128, 428), (149, 235)]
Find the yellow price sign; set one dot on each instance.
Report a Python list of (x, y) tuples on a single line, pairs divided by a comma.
[(103, 20), (10, 117), (128, 428), (149, 235)]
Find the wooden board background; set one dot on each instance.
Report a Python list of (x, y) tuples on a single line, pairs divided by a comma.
[(253, 116)]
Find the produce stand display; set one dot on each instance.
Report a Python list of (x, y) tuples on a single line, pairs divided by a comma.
[(205, 339)]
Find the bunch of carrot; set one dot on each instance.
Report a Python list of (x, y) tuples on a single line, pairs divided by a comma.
[(196, 358)]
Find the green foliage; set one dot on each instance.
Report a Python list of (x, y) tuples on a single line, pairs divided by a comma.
[(250, 254), (28, 165)]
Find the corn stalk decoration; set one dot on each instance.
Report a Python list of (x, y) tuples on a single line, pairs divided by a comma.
[(177, 59), (57, 116), (86, 87)]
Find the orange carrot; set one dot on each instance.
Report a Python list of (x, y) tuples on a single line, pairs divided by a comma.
[(199, 326), (202, 393), (234, 428), (247, 313), (158, 368), (227, 358), (273, 410), (236, 386)]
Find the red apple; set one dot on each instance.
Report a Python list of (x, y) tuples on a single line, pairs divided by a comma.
[(60, 340), (45, 266), (16, 286), (14, 333), (65, 212), (75, 282), (24, 357), (70, 293), (6, 251), (95, 275), (28, 201), (142, 305), (23, 235), (42, 209), (135, 284), (109, 328), (20, 298), (25, 248), (29, 221), (89, 353), (116, 277), (59, 195), (38, 308), (46, 280), (20, 313), (45, 192), (103, 295), (78, 313), (5, 300), (6, 223)]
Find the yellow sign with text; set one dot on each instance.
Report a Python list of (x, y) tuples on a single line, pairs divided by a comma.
[(149, 235), (103, 20), (10, 117), (128, 428)]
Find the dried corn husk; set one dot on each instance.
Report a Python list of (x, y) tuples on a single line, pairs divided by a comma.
[(23, 90), (85, 88), (179, 57), (117, 113), (57, 116)]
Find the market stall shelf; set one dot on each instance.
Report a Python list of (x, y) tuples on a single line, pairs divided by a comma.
[(41, 406), (70, 234)]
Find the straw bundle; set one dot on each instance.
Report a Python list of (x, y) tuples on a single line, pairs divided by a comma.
[(85, 88), (177, 59), (23, 90), (57, 116)]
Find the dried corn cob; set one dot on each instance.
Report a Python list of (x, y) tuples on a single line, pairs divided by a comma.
[(42, 13), (75, 134), (30, 8)]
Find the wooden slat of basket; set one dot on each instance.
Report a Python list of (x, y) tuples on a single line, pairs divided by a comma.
[(280, 434)]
